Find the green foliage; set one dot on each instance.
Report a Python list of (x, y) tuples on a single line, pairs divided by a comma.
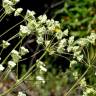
[(78, 15)]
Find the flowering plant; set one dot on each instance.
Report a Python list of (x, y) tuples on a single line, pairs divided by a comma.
[(52, 41)]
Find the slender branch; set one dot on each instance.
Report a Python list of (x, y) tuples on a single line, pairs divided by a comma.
[(77, 82)]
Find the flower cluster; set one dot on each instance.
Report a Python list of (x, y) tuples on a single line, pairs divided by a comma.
[(11, 64), (83, 82), (1, 68), (21, 94), (8, 5), (86, 89), (48, 33), (53, 39), (5, 44), (61, 45), (89, 92), (53, 26), (40, 78), (24, 31), (23, 51), (16, 56), (41, 71), (79, 44), (92, 38), (29, 15), (18, 11), (41, 66), (75, 74)]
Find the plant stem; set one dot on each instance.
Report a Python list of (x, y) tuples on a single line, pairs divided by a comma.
[(22, 78), (10, 52), (1, 18), (16, 35), (11, 28), (7, 73), (66, 94)]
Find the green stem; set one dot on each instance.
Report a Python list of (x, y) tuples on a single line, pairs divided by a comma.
[(11, 28), (2, 14), (77, 82), (17, 63), (6, 92), (7, 73), (2, 17), (22, 78), (1, 51), (1, 9), (16, 35), (10, 52)]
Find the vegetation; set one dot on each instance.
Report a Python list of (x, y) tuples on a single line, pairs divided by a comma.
[(44, 57)]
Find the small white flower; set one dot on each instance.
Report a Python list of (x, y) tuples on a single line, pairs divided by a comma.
[(51, 24), (85, 94), (9, 9), (41, 31), (40, 79), (72, 63), (23, 50), (71, 40), (11, 64), (95, 73), (21, 94), (43, 68), (77, 53), (15, 56), (1, 68), (29, 15), (18, 11), (75, 74), (47, 42), (79, 58), (42, 18), (69, 48), (65, 33), (63, 42), (82, 42), (57, 24), (24, 31), (5, 44), (83, 82), (15, 52), (39, 63), (15, 1), (8, 5), (40, 40), (92, 38), (50, 50), (7, 2), (60, 49), (51, 28), (32, 25), (76, 48), (59, 35), (89, 90)]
